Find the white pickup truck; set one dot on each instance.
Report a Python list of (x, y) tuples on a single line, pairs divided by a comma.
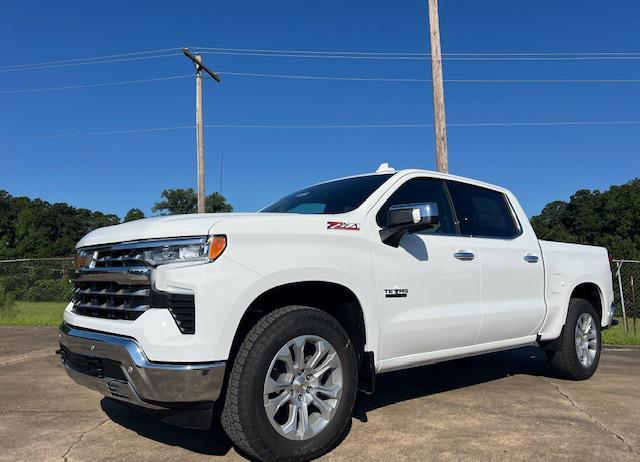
[(281, 316)]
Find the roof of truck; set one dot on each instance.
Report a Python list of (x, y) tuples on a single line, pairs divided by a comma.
[(385, 169)]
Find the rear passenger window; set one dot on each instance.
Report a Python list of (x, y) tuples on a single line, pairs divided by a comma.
[(417, 191), (482, 212)]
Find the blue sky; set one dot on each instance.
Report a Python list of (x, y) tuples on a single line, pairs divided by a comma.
[(115, 172)]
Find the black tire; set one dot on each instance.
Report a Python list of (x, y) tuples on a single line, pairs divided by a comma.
[(565, 361), (244, 418)]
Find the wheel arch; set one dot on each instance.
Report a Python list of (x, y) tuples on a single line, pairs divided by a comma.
[(335, 299), (592, 293)]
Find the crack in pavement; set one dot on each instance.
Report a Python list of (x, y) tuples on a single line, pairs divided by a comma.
[(26, 356), (50, 411), (65, 456), (593, 419)]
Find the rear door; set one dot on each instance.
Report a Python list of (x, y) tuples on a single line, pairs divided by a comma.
[(512, 273)]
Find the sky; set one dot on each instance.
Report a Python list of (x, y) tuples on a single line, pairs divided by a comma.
[(49, 147)]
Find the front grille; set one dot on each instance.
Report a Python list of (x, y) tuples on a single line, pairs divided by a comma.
[(108, 299), (123, 258), (117, 285)]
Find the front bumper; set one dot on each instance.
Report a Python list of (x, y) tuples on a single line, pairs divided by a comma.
[(117, 367), (612, 322)]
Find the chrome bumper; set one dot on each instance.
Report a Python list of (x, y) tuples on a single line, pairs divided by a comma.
[(118, 368), (612, 321)]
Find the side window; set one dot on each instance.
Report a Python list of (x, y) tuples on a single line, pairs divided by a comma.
[(482, 212), (420, 190)]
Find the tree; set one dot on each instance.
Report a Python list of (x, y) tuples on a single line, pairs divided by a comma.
[(181, 201), (133, 214), (36, 228), (610, 219), (216, 203)]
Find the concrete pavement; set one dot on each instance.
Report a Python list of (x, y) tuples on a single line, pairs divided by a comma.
[(501, 406)]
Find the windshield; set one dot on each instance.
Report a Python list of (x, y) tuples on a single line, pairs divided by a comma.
[(337, 196)]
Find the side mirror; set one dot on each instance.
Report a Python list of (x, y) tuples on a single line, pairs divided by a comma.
[(408, 218)]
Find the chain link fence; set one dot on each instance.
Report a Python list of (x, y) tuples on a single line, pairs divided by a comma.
[(48, 280), (626, 285), (37, 280)]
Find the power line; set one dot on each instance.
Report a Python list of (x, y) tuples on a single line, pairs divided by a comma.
[(328, 78), (167, 52), (87, 63), (546, 56), (74, 60), (426, 57), (321, 77), (92, 85), (114, 132), (401, 79), (309, 52), (420, 54), (338, 126)]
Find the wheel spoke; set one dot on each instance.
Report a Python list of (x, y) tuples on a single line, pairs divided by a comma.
[(274, 386), (303, 420), (330, 391), (321, 350), (284, 356), (324, 407), (291, 425), (298, 352), (276, 403), (330, 362)]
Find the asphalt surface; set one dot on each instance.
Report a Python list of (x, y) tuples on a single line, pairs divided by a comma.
[(501, 406)]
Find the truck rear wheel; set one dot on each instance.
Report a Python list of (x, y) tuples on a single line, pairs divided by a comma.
[(580, 343), (292, 386)]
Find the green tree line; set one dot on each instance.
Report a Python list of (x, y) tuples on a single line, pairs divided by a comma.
[(610, 219), (31, 228), (34, 228)]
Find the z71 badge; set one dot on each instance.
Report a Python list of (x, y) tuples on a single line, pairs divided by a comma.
[(396, 293), (343, 226)]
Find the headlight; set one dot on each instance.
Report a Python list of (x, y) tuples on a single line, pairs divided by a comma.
[(83, 259), (207, 250)]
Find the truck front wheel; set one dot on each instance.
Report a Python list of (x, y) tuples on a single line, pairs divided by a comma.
[(580, 342), (292, 386)]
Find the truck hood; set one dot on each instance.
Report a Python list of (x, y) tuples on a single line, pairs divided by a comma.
[(202, 224), (156, 228)]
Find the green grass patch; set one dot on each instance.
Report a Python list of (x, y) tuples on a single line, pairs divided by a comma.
[(32, 314), (616, 336)]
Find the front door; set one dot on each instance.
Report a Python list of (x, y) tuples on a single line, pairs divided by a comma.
[(429, 297)]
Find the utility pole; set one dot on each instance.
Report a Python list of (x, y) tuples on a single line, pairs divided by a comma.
[(442, 157), (197, 61)]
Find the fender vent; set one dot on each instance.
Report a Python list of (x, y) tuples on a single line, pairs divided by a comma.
[(181, 306)]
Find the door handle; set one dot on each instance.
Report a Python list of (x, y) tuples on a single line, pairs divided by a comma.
[(530, 258), (464, 255)]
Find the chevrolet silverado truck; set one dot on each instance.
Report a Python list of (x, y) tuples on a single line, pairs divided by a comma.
[(277, 318)]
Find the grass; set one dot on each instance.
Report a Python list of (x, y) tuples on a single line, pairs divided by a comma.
[(50, 314), (616, 336), (33, 314)]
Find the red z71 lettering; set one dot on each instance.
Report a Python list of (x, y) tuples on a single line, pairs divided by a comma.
[(342, 225)]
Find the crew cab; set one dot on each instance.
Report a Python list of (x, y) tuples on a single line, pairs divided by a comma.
[(278, 318)]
